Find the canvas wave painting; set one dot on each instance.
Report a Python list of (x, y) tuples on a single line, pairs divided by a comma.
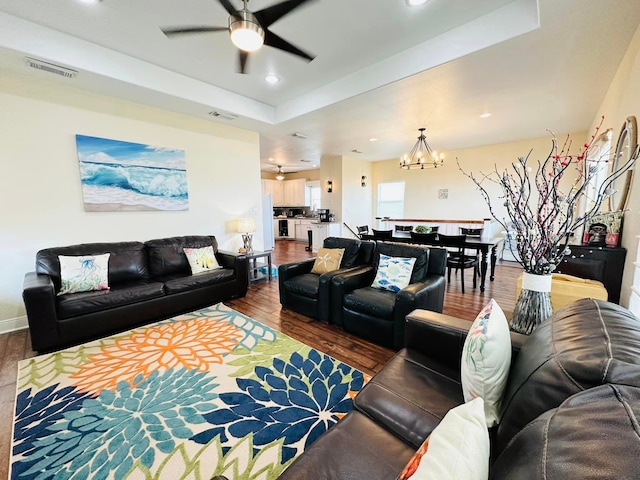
[(123, 176)]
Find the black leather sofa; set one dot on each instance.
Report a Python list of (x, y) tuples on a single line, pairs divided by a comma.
[(379, 315), (308, 293), (570, 409), (148, 281)]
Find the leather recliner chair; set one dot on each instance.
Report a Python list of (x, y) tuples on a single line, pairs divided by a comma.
[(379, 315), (308, 293)]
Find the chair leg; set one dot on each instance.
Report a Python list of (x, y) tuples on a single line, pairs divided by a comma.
[(462, 278), (476, 273), (449, 275)]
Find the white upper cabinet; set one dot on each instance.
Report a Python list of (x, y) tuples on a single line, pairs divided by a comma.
[(287, 193)]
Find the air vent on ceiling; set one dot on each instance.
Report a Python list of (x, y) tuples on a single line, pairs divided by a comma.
[(51, 67), (223, 115), (299, 135), (305, 161), (355, 150)]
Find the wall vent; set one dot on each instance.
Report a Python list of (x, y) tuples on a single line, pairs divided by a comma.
[(51, 67), (223, 115)]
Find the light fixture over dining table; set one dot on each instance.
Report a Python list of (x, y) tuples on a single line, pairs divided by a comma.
[(421, 155)]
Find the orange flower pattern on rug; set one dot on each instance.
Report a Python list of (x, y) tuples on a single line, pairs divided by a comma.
[(193, 344)]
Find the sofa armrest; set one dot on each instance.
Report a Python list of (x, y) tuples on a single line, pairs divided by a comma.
[(290, 270), (324, 291), (39, 297), (427, 295), (344, 283), (443, 336), (238, 263)]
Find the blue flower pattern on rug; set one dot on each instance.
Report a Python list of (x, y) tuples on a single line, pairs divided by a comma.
[(274, 395), (293, 399)]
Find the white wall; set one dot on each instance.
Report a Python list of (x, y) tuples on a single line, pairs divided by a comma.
[(621, 101), (41, 201), (356, 199)]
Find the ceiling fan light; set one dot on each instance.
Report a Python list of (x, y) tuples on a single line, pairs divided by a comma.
[(246, 33), (279, 177)]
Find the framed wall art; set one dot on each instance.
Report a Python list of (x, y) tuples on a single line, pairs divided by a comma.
[(122, 176)]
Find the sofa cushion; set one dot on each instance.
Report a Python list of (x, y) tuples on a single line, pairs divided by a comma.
[(306, 285), (328, 260), (371, 301), (394, 273), (457, 449), (421, 255), (166, 255), (127, 260), (593, 434), (408, 397), (486, 359), (583, 345), (75, 304), (355, 448), (351, 249), (83, 273), (180, 283)]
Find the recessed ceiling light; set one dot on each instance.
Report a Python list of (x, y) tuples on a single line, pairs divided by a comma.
[(415, 3), (89, 1), (485, 115), (271, 159), (373, 139), (272, 79)]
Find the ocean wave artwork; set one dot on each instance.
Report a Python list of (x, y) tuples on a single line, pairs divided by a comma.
[(122, 176)]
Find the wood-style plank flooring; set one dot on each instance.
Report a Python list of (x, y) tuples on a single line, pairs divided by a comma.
[(263, 304)]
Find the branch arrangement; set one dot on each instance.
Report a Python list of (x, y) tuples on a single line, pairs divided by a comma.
[(544, 217)]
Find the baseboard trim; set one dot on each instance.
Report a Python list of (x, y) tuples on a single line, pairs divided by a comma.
[(13, 324)]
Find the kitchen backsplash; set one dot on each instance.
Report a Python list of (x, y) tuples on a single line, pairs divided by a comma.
[(293, 212)]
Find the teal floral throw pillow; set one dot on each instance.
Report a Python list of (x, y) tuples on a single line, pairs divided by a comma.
[(84, 273), (394, 273), (486, 359)]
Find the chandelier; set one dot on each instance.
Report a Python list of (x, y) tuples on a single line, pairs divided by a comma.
[(421, 156)]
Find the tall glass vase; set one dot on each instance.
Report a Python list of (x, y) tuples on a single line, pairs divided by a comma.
[(533, 305)]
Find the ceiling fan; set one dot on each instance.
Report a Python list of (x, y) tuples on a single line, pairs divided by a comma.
[(250, 30), (280, 175)]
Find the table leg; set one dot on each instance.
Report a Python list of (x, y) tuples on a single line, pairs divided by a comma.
[(483, 269), (269, 265), (494, 257)]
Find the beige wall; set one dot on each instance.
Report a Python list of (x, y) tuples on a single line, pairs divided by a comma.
[(306, 174), (40, 193), (623, 100), (464, 201)]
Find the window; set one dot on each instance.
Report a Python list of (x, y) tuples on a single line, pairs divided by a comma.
[(391, 199), (313, 194)]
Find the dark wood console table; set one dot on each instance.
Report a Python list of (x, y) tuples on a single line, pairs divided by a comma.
[(597, 263)]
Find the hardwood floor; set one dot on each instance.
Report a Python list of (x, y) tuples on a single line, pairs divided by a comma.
[(263, 304)]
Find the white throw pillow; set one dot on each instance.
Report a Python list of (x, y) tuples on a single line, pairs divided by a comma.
[(83, 273), (457, 449), (201, 259), (394, 273), (486, 359)]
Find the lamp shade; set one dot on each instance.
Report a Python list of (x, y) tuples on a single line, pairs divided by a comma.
[(246, 225)]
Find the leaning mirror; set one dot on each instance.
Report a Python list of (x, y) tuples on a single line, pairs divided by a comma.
[(626, 146)]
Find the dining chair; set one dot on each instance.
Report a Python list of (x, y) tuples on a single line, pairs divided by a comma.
[(404, 228), (458, 260), (363, 230), (382, 234), (471, 232)]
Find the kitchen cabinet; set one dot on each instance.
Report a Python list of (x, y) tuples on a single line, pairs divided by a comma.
[(322, 230), (274, 188), (294, 192), (302, 227), (286, 193)]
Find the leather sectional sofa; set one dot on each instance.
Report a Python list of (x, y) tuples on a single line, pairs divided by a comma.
[(148, 281), (570, 408)]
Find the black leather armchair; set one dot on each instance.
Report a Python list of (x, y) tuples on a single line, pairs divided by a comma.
[(379, 315), (308, 293)]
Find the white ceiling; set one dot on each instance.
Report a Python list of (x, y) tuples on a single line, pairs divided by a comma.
[(382, 69)]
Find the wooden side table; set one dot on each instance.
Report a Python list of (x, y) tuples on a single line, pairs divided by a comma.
[(254, 266)]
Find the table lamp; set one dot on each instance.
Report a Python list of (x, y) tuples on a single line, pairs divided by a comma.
[(246, 226)]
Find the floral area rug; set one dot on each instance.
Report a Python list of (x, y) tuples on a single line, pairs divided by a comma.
[(209, 393)]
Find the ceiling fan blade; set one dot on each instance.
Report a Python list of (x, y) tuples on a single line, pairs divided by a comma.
[(187, 30), (270, 15), (229, 8), (275, 41), (242, 61)]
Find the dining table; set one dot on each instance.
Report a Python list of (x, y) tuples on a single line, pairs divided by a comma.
[(483, 244)]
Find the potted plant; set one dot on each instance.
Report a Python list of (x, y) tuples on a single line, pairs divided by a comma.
[(422, 229), (545, 213)]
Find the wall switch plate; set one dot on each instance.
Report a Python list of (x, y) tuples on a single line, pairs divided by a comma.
[(253, 211), (443, 193)]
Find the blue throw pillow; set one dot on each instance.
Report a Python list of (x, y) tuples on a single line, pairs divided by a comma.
[(394, 273)]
